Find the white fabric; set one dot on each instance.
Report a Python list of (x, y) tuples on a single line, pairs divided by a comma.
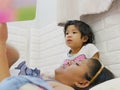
[(74, 9), (113, 84), (94, 6), (88, 50), (108, 85), (30, 87)]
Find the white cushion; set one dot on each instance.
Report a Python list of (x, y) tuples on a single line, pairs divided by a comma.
[(113, 84)]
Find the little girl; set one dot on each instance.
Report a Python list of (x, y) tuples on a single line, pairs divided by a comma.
[(79, 37)]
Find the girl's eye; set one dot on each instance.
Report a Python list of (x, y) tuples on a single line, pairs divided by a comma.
[(74, 32), (66, 33)]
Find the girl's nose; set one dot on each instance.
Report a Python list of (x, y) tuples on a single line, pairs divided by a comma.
[(69, 35)]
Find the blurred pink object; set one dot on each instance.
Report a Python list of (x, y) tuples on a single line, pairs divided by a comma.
[(17, 10), (7, 15)]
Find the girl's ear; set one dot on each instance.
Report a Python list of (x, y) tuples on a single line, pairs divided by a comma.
[(82, 84), (85, 38)]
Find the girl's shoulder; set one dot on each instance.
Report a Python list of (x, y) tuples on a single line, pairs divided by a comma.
[(90, 45)]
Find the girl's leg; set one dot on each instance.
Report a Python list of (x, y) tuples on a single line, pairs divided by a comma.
[(4, 67), (12, 54), (8, 54)]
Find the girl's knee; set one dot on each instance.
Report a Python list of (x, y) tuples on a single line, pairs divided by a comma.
[(12, 54)]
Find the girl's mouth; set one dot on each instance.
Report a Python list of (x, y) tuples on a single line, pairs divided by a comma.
[(69, 40)]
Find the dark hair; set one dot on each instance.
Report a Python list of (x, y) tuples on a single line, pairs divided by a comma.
[(104, 75), (84, 29)]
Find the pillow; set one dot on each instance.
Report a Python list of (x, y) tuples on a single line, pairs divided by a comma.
[(113, 84)]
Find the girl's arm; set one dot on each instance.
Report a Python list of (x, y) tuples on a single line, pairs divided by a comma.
[(96, 56), (4, 67)]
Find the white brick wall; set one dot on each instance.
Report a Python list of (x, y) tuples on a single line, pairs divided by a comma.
[(19, 38), (106, 27), (51, 49)]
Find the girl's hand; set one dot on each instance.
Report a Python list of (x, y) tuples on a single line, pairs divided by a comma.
[(3, 33)]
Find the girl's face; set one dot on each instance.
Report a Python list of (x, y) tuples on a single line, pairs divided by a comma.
[(73, 37), (72, 72)]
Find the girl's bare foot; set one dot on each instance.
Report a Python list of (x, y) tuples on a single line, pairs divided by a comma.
[(3, 33)]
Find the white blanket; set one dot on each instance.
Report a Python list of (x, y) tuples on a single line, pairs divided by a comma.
[(74, 9)]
